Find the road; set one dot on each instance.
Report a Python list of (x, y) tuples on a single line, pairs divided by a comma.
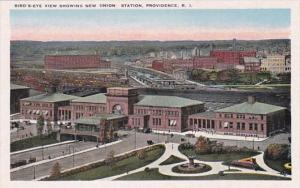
[(53, 152), (128, 143)]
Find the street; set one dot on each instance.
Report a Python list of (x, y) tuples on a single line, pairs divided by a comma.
[(130, 142)]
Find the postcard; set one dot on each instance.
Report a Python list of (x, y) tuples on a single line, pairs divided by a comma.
[(150, 93)]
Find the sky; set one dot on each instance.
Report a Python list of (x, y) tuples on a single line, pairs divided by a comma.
[(163, 25)]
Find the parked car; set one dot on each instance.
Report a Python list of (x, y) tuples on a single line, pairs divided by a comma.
[(147, 130), (150, 142)]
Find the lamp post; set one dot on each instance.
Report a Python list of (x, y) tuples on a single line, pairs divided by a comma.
[(135, 136), (43, 152), (33, 172)]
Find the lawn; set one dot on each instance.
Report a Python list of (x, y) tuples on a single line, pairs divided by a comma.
[(120, 167), (32, 142), (276, 165), (219, 157), (172, 160), (153, 174)]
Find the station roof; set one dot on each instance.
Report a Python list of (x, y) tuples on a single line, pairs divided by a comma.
[(251, 108), (97, 98), (50, 97), (15, 87), (166, 101), (95, 120)]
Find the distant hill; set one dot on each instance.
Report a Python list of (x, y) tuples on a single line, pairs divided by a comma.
[(32, 52)]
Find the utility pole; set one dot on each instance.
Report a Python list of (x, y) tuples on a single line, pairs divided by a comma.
[(33, 172), (135, 137)]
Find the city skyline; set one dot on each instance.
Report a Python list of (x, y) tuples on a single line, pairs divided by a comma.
[(162, 25)]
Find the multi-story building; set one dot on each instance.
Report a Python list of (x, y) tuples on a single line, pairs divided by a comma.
[(164, 113), (250, 118), (275, 64), (17, 92), (75, 62), (231, 57), (251, 64), (46, 105)]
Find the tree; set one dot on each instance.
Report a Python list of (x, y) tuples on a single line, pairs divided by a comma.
[(49, 126), (233, 75), (202, 145), (110, 158), (142, 154), (277, 151), (56, 170), (40, 125)]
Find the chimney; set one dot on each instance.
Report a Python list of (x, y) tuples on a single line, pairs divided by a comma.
[(251, 99)]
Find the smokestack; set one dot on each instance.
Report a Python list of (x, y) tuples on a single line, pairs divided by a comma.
[(251, 99)]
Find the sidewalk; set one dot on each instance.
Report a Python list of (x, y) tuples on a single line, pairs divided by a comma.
[(214, 136), (40, 147)]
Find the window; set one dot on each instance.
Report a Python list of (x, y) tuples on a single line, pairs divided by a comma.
[(262, 127), (191, 121), (199, 123), (213, 124), (255, 126), (230, 125), (238, 126), (250, 126), (262, 117), (243, 126)]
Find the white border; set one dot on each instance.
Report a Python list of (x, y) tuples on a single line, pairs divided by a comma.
[(212, 4)]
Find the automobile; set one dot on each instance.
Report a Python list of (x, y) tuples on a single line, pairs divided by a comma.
[(150, 142), (147, 130)]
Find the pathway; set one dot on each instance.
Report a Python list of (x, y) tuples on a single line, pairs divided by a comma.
[(172, 149)]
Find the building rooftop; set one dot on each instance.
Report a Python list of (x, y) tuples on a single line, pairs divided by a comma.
[(95, 120), (252, 108), (166, 101), (207, 114), (50, 97), (251, 60), (97, 98), (15, 87)]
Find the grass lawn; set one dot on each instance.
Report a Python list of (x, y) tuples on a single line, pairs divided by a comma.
[(276, 165), (153, 174), (218, 157), (171, 160), (120, 167), (32, 142)]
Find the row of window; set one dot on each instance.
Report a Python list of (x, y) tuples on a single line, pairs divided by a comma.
[(156, 112), (156, 121), (90, 108), (203, 123), (241, 126), (242, 116)]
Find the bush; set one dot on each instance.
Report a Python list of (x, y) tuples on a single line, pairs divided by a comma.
[(32, 160), (202, 145), (56, 170), (142, 154), (186, 146), (147, 169), (277, 151)]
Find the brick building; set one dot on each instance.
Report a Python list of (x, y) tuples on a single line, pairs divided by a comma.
[(164, 113), (250, 118), (46, 105), (75, 62), (231, 57), (251, 64)]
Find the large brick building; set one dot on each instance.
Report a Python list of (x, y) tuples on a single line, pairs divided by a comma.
[(250, 118), (124, 107), (75, 62), (231, 57)]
